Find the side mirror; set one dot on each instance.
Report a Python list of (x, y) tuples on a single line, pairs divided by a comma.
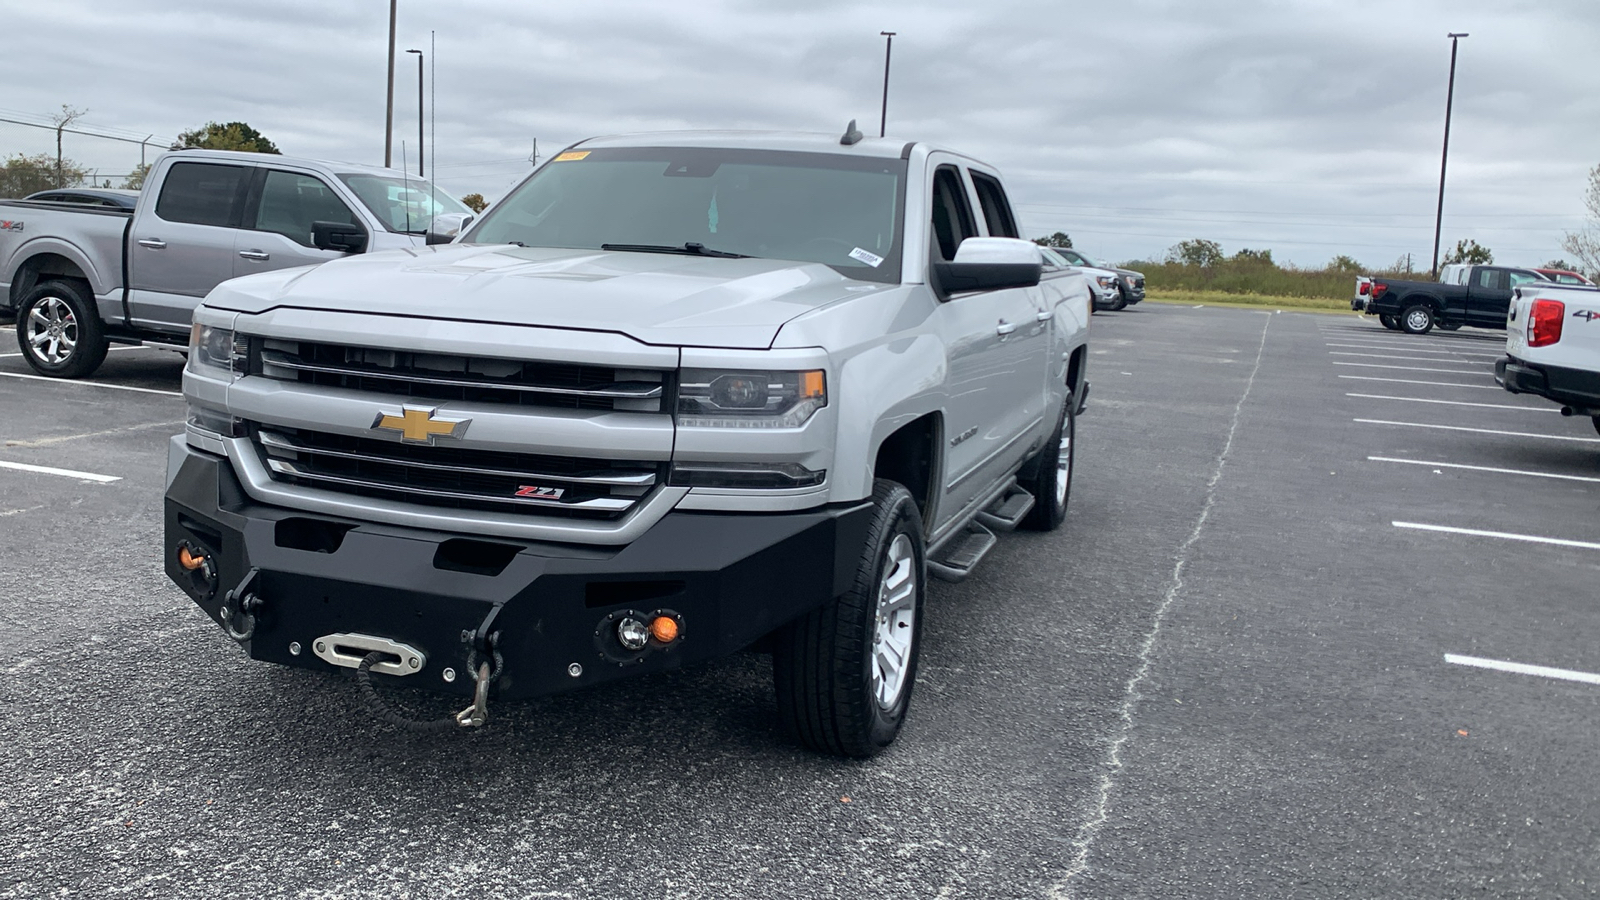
[(988, 264), (446, 226), (341, 236)]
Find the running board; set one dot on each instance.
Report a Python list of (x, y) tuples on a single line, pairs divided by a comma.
[(963, 553), (1006, 513)]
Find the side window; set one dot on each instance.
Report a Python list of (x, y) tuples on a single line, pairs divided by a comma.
[(952, 215), (1073, 257), (996, 211), (202, 194), (1521, 278), (1491, 279), (291, 202)]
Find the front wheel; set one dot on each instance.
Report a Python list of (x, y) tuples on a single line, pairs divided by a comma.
[(1417, 320), (1048, 476), (59, 331), (1121, 302), (1390, 322), (1596, 421), (844, 672)]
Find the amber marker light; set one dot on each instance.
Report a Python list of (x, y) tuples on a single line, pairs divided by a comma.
[(811, 385), (664, 629), (190, 561)]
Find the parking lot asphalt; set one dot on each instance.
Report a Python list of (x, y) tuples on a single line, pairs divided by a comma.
[(1225, 676)]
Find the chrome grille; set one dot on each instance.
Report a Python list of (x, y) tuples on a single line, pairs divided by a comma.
[(456, 477), (435, 376)]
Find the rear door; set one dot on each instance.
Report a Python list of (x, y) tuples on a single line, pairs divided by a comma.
[(182, 244), (283, 205), (1033, 308), (1488, 296)]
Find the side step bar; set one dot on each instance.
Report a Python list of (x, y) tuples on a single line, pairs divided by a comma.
[(1008, 512), (962, 553)]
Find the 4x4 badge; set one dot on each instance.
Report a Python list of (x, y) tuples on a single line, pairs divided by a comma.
[(420, 425), (1588, 315)]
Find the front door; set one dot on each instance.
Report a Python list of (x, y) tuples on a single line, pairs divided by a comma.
[(183, 247), (1488, 297), (278, 222)]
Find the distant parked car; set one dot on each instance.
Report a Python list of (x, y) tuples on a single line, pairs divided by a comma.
[(1130, 284), (1474, 295), (1564, 276), (111, 198), (1103, 283)]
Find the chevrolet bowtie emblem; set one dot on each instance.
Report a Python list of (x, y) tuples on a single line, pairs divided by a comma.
[(419, 425)]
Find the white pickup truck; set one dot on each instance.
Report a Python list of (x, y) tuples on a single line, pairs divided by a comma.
[(81, 277), (1553, 347), (673, 396)]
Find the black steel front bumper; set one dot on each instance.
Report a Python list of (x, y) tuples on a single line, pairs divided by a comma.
[(728, 579), (1570, 387)]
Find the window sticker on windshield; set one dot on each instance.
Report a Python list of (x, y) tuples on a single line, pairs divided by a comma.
[(571, 156), (871, 259)]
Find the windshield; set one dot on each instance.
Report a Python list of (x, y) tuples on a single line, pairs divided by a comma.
[(404, 205), (842, 211)]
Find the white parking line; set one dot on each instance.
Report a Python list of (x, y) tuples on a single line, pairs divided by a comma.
[(101, 384), (1412, 368), (1522, 668), (67, 473), (1444, 465), (1427, 359), (1502, 535), (1551, 437), (1540, 409), (1385, 380), (1417, 350), (112, 347)]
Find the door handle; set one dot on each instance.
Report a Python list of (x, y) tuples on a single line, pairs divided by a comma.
[(257, 255), (1005, 328), (153, 243), (1045, 316)]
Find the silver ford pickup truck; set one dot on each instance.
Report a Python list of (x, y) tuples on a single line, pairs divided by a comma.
[(675, 396), (80, 277)]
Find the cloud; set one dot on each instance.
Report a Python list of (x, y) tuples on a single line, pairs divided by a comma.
[(1311, 127)]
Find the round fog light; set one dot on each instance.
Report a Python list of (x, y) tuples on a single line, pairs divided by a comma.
[(632, 633), (665, 629)]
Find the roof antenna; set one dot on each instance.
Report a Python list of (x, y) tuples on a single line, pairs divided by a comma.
[(851, 134)]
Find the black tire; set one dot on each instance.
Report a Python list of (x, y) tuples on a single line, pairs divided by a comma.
[(1596, 421), (1390, 322), (59, 331), (1447, 326), (1417, 319), (1122, 300), (1046, 479), (824, 663)]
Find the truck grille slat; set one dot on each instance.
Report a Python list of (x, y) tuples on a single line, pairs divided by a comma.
[(448, 377), (456, 477)]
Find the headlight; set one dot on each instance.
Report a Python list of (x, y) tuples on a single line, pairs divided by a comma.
[(1106, 281), (724, 399), (217, 349)]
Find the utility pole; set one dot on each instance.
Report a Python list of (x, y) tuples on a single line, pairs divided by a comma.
[(66, 117), (1444, 157), (388, 112), (420, 173), (888, 47)]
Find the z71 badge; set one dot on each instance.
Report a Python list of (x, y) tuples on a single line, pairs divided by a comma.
[(534, 492), (10, 224)]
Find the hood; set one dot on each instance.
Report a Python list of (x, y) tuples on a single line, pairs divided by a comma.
[(656, 298)]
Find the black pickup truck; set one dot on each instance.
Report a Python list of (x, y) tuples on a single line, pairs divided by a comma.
[(1481, 298)]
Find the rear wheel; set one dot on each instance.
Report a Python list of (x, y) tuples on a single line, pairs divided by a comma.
[(59, 331), (1596, 421), (1417, 319), (1447, 326), (1048, 476), (844, 673), (1390, 322)]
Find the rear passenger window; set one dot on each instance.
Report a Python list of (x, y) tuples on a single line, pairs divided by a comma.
[(952, 214), (202, 194), (1521, 278), (996, 211), (291, 202)]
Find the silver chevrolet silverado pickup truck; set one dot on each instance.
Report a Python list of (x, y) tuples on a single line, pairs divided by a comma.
[(675, 396), (79, 278)]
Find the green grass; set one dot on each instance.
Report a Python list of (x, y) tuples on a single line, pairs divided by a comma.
[(1248, 301)]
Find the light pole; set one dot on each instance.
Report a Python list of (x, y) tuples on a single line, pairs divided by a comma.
[(388, 110), (420, 173), (1444, 157), (883, 118)]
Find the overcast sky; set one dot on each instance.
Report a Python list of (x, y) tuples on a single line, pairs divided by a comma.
[(1310, 127)]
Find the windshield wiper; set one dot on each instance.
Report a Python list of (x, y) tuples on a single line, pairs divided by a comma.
[(692, 248)]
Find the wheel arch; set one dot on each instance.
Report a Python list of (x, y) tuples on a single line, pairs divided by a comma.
[(910, 456), (49, 264)]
